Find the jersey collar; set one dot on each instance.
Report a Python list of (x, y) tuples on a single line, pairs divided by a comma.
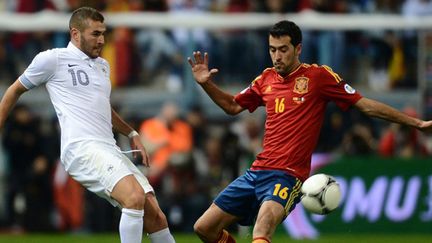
[(282, 79), (77, 52), (81, 54)]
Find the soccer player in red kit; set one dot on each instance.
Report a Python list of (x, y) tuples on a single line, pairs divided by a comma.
[(295, 95)]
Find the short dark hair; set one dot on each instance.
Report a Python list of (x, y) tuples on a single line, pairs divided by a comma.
[(79, 17), (285, 27)]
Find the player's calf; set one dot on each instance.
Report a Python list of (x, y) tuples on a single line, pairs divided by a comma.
[(212, 236), (261, 240), (224, 237), (154, 220)]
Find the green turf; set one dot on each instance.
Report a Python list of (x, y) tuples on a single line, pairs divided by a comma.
[(184, 238)]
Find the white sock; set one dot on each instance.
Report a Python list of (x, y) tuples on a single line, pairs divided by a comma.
[(131, 225), (162, 236)]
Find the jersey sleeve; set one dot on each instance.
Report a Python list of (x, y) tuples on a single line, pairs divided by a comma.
[(249, 98), (333, 88), (40, 70)]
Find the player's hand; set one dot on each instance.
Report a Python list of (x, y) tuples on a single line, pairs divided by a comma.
[(426, 126), (200, 69), (136, 144)]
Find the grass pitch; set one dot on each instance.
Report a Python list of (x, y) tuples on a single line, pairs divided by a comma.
[(190, 238)]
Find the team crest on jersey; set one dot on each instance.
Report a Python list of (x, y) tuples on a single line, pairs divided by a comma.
[(301, 85)]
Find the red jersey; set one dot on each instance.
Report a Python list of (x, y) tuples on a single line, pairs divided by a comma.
[(295, 107)]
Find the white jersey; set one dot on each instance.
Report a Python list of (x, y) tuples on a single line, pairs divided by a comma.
[(79, 88)]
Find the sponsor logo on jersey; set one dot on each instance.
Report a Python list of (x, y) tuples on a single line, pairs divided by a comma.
[(349, 89), (268, 89), (298, 100), (301, 85)]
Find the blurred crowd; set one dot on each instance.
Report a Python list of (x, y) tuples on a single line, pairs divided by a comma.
[(379, 60), (194, 157)]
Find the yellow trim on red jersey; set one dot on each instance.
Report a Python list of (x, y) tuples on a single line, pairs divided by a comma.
[(253, 81), (295, 70), (332, 73)]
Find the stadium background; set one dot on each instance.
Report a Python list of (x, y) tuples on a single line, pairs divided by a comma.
[(382, 48)]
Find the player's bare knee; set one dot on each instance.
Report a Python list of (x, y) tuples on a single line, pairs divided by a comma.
[(135, 200), (200, 229)]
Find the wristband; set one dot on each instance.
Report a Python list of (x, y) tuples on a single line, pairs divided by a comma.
[(133, 134)]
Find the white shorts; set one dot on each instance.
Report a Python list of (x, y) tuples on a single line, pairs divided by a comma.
[(98, 166)]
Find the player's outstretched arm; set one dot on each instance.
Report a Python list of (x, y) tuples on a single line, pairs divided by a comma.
[(9, 100), (203, 77), (122, 127), (377, 109)]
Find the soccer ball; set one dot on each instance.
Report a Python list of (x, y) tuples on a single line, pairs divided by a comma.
[(321, 194)]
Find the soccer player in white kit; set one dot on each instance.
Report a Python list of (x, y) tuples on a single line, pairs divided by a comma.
[(78, 83)]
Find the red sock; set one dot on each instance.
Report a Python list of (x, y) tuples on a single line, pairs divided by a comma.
[(225, 237), (261, 240)]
